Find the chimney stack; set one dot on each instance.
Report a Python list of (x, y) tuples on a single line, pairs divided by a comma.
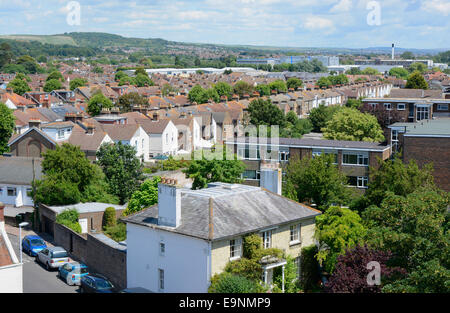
[(34, 122), (169, 203), (90, 128), (271, 177), (155, 116)]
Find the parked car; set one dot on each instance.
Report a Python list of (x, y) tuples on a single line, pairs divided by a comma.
[(33, 244), (96, 283), (72, 272), (53, 257), (135, 290)]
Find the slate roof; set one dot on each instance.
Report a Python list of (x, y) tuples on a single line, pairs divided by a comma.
[(430, 128), (153, 127), (86, 142), (237, 209), (121, 132), (19, 170)]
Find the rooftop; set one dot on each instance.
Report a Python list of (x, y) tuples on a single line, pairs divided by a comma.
[(88, 207), (237, 209), (429, 128), (19, 170)]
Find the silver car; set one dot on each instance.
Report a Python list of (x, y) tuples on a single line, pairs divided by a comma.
[(53, 257)]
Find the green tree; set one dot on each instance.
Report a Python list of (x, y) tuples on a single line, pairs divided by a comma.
[(278, 85), (399, 72), (6, 54), (407, 55), (394, 176), (416, 81), (321, 115), (315, 180), (337, 230), (324, 82), (166, 89), (70, 178), (415, 228), (129, 100), (207, 170), (195, 94), (123, 170), (146, 196), (7, 123), (351, 124), (69, 218), (77, 82), (223, 89), (354, 103), (119, 75), (109, 217), (142, 80), (19, 86), (263, 89), (98, 70), (141, 70), (241, 88), (370, 71), (294, 83), (417, 67), (55, 75), (340, 79), (52, 84), (263, 112), (97, 103)]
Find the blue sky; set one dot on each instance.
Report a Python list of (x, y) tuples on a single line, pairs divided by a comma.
[(296, 23)]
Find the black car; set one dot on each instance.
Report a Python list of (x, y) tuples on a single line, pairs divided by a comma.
[(96, 283)]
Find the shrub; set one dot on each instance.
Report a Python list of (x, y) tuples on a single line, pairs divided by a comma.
[(248, 268), (109, 217), (69, 218), (117, 232), (229, 283), (291, 283), (309, 268), (252, 243)]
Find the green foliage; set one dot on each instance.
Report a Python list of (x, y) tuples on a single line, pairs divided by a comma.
[(52, 84), (339, 229), (321, 115), (252, 243), (295, 127), (354, 103), (407, 55), (340, 79), (141, 70), (263, 89), (196, 95), (69, 218), (370, 71), (399, 72), (324, 82), (394, 176), (263, 112), (351, 124), (417, 67), (248, 268), (109, 217), (19, 85), (229, 283), (223, 89), (123, 170), (291, 282), (241, 88), (225, 168), (129, 100), (416, 81), (7, 123), (278, 85), (309, 269), (415, 228), (77, 82), (70, 178), (98, 70), (145, 197), (117, 232), (55, 75), (316, 180), (97, 103), (294, 83), (119, 75), (142, 80)]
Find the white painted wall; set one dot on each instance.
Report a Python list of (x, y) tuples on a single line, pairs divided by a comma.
[(186, 262), (10, 104), (53, 133), (20, 199), (10, 275), (141, 141), (170, 139)]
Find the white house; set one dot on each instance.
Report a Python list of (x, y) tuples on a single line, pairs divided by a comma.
[(177, 245), (16, 176), (131, 134), (10, 269), (163, 136)]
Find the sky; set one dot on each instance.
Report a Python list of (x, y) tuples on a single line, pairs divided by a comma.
[(423, 24)]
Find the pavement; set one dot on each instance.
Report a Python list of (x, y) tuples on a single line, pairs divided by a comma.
[(36, 279)]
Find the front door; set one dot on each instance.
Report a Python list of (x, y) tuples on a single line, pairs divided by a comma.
[(84, 225)]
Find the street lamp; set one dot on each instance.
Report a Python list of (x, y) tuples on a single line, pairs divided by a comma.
[(23, 224)]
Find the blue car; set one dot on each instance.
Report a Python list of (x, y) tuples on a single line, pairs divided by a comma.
[(96, 283), (72, 272), (33, 244)]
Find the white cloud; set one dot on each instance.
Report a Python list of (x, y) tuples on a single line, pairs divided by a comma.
[(342, 6), (437, 6), (317, 22)]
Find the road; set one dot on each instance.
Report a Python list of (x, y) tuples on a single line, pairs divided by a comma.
[(36, 279)]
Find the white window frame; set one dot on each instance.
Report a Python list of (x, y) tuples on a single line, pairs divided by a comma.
[(61, 133), (294, 234), (359, 159), (235, 249), (267, 239), (362, 182)]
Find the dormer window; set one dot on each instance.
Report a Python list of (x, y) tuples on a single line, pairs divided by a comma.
[(61, 133)]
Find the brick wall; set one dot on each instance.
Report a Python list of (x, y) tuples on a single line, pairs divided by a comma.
[(97, 255), (31, 145), (425, 150)]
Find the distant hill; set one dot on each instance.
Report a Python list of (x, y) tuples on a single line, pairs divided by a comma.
[(45, 39)]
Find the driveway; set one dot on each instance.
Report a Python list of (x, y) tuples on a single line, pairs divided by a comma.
[(36, 279)]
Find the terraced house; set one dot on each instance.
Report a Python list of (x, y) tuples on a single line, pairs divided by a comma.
[(190, 235), (352, 157)]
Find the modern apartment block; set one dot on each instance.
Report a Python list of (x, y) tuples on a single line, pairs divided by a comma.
[(352, 157)]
